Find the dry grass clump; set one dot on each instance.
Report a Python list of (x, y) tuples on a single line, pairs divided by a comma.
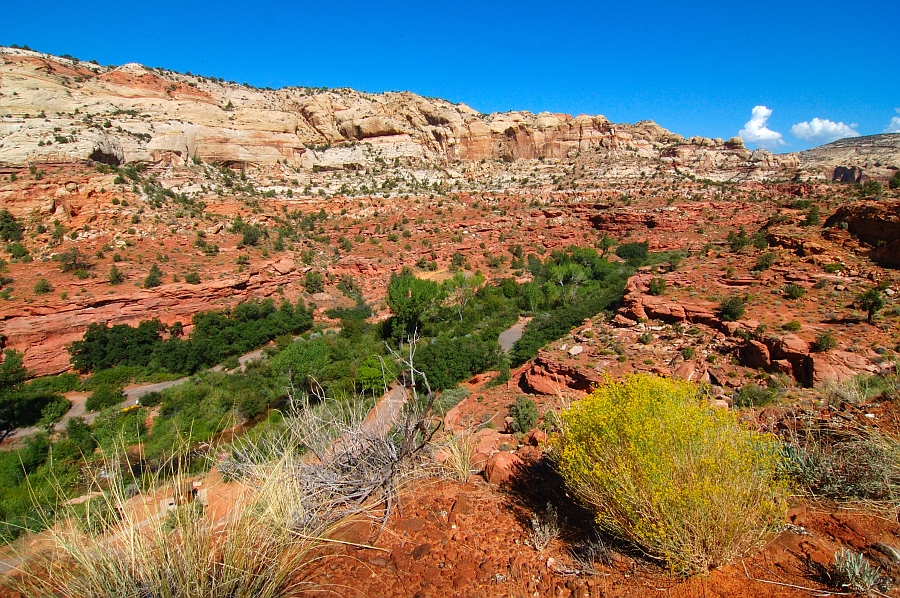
[(258, 550), (297, 478), (459, 450), (664, 470)]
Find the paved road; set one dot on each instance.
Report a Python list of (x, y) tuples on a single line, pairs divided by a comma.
[(509, 336), (132, 394)]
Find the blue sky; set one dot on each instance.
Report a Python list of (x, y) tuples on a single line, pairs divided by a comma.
[(696, 68)]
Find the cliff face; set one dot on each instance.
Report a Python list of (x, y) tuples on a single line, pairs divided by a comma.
[(62, 110), (851, 159)]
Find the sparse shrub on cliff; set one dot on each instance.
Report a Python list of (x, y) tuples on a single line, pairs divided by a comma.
[(154, 277), (657, 286), (812, 217), (824, 342), (794, 291), (661, 468), (732, 308), (42, 286), (738, 241), (894, 183), (115, 275), (10, 228), (765, 261), (192, 278), (313, 282), (871, 188)]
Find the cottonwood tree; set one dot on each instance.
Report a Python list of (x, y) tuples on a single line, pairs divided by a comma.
[(460, 289), (13, 410)]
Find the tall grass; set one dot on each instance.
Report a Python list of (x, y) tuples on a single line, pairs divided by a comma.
[(662, 469), (459, 450), (259, 549)]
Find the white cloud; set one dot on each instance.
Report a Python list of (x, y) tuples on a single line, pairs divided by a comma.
[(822, 129), (894, 126), (755, 131)]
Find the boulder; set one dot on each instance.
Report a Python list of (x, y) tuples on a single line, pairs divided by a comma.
[(502, 468)]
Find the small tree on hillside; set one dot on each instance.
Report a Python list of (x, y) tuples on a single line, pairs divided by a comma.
[(871, 301), (154, 277)]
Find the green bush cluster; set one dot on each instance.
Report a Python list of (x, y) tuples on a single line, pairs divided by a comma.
[(216, 335), (524, 413)]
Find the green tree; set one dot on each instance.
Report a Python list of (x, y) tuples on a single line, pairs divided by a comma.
[(871, 301), (304, 364), (374, 373), (460, 289), (409, 298), (12, 375), (72, 260)]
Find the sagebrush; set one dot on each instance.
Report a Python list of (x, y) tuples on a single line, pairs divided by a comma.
[(662, 469)]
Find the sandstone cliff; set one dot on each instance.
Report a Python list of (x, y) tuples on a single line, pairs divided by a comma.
[(61, 110)]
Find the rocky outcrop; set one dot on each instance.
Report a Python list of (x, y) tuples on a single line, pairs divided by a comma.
[(854, 159), (43, 332), (876, 223), (543, 375)]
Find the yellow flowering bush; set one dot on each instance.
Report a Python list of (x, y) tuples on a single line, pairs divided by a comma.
[(666, 471)]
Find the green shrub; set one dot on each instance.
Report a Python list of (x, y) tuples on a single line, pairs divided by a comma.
[(450, 398), (794, 291), (154, 277), (524, 413), (645, 338), (42, 286), (115, 276), (765, 261), (792, 326), (17, 250), (313, 282), (833, 267), (104, 396), (824, 342), (871, 188), (732, 308), (664, 470), (633, 252), (10, 229), (151, 399), (192, 278), (688, 352), (657, 286), (894, 183), (754, 395)]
